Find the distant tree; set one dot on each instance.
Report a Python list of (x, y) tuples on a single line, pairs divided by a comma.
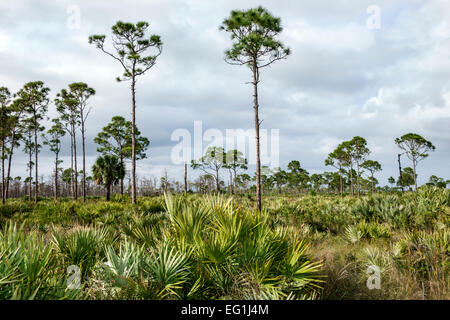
[(371, 166), (67, 177), (438, 182), (333, 180), (297, 177), (116, 139), (243, 180), (165, 182), (347, 149), (339, 159), (131, 43), (17, 112), (407, 178), (391, 181), (5, 130), (67, 107), (17, 184), (211, 163), (28, 149), (359, 152), (254, 34), (317, 180), (53, 140), (205, 183), (81, 92), (28, 181), (108, 171), (35, 96), (267, 181), (373, 183), (416, 148), (185, 178), (280, 177), (235, 162)]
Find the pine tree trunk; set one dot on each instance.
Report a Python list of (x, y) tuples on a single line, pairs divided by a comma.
[(415, 178), (121, 180), (185, 178), (357, 178), (75, 163), (3, 173), (351, 179), (340, 179), (217, 181), (83, 142), (258, 155), (231, 182), (56, 177), (400, 172), (30, 195), (108, 193), (373, 188), (8, 175), (72, 189), (36, 184), (234, 183), (133, 139)]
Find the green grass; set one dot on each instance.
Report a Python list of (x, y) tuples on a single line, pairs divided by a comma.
[(216, 247)]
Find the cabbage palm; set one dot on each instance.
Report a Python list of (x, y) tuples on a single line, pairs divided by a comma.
[(108, 171)]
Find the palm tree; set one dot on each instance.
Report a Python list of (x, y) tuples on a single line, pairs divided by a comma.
[(108, 171)]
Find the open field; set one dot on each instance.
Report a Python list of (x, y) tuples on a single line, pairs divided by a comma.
[(215, 247)]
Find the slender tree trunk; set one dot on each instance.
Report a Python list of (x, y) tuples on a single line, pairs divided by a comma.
[(83, 142), (36, 184), (217, 180), (30, 195), (357, 178), (133, 138), (234, 182), (351, 178), (231, 182), (185, 178), (108, 193), (257, 123), (415, 178), (373, 189), (75, 162), (72, 189), (8, 175), (400, 172), (121, 180), (56, 177), (340, 179), (3, 173)]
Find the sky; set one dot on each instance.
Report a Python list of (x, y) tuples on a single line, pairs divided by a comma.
[(349, 74)]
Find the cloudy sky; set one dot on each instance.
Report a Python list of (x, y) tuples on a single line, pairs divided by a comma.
[(344, 77)]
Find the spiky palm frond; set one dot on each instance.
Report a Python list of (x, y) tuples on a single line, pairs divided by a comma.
[(168, 270)]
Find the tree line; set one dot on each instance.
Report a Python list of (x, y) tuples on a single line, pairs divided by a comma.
[(355, 172), (22, 116)]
